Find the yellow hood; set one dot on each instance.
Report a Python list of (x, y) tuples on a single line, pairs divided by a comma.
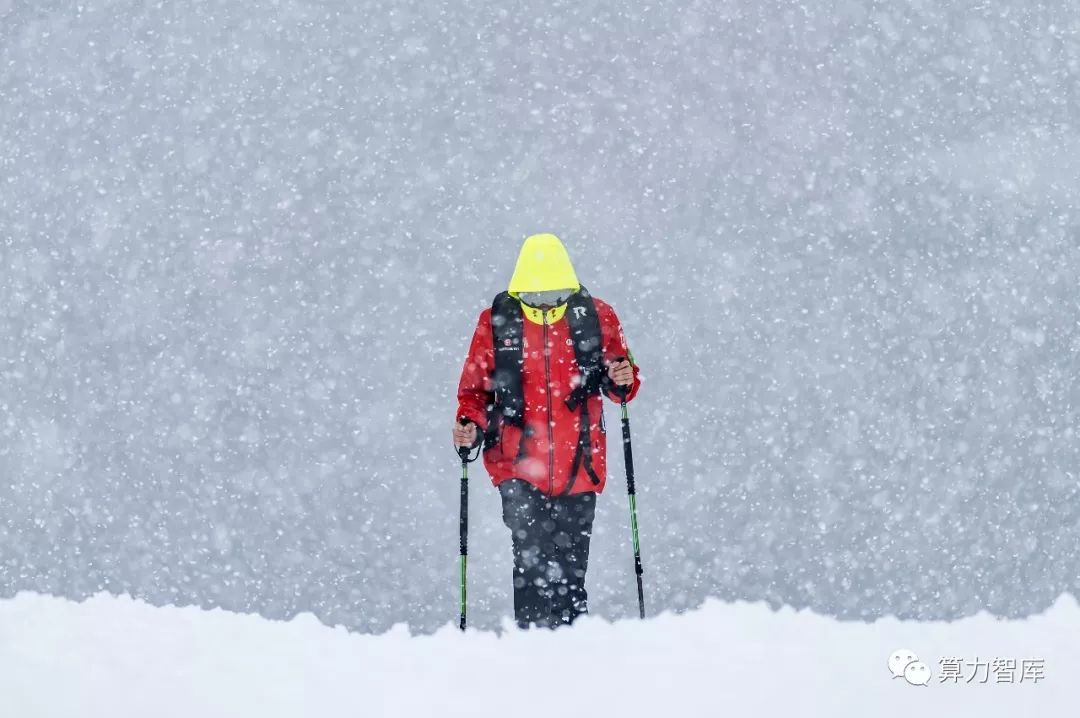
[(542, 266)]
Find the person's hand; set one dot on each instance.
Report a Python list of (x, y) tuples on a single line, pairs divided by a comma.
[(621, 372), (464, 434)]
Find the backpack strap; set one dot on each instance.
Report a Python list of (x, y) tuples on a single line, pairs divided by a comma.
[(588, 351), (507, 330), (508, 397)]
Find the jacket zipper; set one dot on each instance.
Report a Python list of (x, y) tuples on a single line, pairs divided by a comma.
[(547, 390)]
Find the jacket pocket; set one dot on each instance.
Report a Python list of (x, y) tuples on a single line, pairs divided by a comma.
[(513, 436)]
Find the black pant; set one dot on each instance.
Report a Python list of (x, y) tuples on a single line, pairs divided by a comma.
[(551, 552)]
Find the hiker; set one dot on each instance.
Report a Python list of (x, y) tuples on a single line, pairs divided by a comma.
[(540, 358)]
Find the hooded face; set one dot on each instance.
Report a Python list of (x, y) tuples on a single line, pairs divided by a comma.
[(545, 300), (543, 272)]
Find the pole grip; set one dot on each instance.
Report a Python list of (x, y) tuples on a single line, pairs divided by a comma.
[(628, 453), (620, 390), (463, 451)]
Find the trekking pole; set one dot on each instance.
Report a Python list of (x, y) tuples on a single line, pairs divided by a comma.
[(463, 523), (631, 491)]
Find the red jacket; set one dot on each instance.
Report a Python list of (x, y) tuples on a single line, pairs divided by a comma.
[(560, 443)]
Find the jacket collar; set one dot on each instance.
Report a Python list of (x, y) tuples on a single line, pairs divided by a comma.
[(536, 316)]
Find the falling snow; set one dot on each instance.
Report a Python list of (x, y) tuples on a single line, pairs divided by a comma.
[(244, 244)]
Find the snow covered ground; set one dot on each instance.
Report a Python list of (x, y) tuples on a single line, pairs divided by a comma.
[(118, 657)]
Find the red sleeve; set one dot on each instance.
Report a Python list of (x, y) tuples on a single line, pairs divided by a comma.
[(614, 347), (475, 386)]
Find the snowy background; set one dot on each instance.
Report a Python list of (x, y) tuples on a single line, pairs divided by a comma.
[(243, 246)]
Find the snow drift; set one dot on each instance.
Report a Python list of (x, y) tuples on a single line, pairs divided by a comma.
[(118, 657)]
